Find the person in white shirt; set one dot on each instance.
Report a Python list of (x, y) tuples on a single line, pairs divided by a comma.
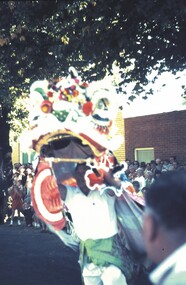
[(165, 228), (95, 222), (140, 178)]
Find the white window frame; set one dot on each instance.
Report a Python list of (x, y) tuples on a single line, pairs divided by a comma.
[(143, 149)]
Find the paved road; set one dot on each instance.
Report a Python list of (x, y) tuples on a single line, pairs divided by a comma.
[(30, 257)]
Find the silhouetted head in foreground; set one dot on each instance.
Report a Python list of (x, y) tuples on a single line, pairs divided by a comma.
[(165, 215)]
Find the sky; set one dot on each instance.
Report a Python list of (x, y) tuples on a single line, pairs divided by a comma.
[(165, 99)]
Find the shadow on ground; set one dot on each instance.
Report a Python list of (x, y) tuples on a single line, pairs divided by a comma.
[(30, 257)]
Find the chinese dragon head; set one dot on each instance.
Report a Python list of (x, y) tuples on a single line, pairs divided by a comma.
[(71, 122)]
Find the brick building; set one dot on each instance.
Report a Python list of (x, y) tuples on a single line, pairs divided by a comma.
[(145, 138), (159, 135)]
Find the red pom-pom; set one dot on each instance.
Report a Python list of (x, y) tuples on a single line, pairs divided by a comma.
[(87, 108), (84, 85), (50, 94)]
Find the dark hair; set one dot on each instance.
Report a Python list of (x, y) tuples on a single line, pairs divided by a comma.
[(167, 198), (136, 183), (143, 164), (157, 171)]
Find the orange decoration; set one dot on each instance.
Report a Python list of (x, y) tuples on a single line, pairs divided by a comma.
[(46, 106), (87, 108), (75, 93)]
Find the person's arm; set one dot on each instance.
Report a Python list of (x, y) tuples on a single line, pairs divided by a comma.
[(111, 181)]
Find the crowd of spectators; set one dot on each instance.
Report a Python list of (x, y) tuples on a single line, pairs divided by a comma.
[(16, 208), (142, 175), (17, 200)]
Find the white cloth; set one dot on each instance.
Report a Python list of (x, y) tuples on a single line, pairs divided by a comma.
[(100, 275), (172, 271), (94, 215), (141, 181)]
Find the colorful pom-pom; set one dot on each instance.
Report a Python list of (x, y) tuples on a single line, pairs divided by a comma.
[(84, 85), (76, 81), (75, 93), (49, 93), (87, 108), (46, 106), (73, 87)]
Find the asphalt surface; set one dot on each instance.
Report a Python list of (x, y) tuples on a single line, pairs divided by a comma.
[(31, 257)]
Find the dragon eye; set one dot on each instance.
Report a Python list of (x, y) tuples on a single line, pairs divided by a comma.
[(102, 104)]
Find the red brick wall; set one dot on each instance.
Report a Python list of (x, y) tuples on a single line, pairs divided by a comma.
[(165, 132)]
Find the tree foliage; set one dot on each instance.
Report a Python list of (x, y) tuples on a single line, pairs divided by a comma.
[(41, 39)]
